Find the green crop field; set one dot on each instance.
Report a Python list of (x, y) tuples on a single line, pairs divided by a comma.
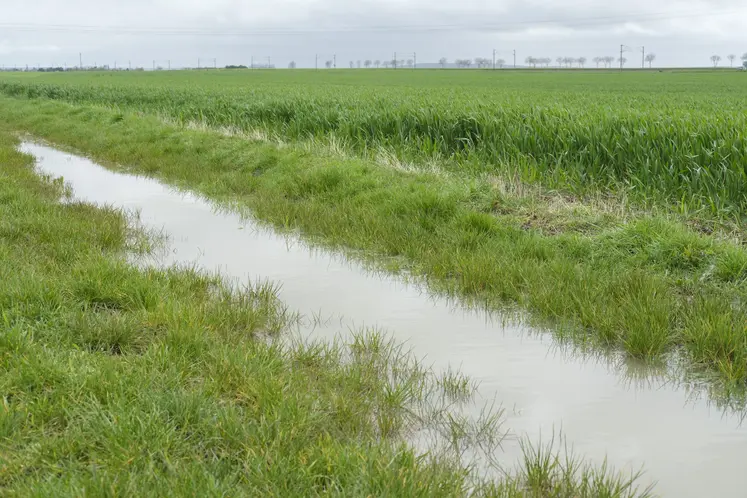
[(672, 136)]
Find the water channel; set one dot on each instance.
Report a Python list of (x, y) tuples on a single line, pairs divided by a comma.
[(616, 410)]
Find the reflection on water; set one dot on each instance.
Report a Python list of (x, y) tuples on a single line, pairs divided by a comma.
[(606, 405)]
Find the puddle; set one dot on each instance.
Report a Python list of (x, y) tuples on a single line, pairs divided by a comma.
[(689, 447)]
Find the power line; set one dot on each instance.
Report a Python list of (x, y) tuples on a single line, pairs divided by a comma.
[(190, 31)]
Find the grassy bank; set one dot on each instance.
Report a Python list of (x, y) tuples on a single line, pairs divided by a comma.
[(119, 381), (652, 136), (650, 285)]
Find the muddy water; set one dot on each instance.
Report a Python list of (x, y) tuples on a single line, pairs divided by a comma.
[(688, 447)]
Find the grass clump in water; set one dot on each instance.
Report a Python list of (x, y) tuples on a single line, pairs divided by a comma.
[(549, 470)]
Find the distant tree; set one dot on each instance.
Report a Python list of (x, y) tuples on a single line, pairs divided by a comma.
[(581, 61), (367, 64), (597, 60), (531, 61), (394, 63), (377, 63), (500, 63), (715, 59), (401, 63), (650, 58), (351, 65), (731, 58), (386, 64), (443, 61), (483, 63), (622, 61), (292, 65), (467, 63), (410, 63), (328, 64), (744, 56), (358, 63), (609, 60)]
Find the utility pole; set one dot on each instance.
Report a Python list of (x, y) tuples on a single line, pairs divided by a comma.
[(334, 61), (414, 60), (154, 65), (269, 63), (215, 63), (514, 58), (316, 62), (621, 56), (81, 59), (129, 64), (252, 66), (493, 59), (115, 65), (395, 60), (643, 57)]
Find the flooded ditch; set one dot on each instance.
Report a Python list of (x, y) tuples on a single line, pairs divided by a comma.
[(613, 409)]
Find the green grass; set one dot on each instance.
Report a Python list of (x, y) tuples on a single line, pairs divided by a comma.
[(124, 381), (660, 137), (650, 285)]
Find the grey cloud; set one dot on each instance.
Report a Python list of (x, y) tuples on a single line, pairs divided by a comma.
[(233, 30)]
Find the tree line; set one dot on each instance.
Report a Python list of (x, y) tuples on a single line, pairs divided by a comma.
[(715, 59), (534, 62)]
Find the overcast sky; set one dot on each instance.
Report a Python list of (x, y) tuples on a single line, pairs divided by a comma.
[(680, 32)]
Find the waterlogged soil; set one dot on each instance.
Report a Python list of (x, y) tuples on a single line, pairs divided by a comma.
[(605, 408)]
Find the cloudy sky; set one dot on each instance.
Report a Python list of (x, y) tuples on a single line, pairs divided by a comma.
[(54, 32)]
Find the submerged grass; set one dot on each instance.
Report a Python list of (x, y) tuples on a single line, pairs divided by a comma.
[(646, 283), (125, 381)]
